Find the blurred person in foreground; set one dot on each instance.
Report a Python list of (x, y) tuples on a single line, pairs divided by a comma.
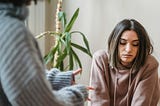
[(23, 79)]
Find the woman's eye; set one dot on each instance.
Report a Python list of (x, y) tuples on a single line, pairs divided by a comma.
[(135, 44), (122, 42)]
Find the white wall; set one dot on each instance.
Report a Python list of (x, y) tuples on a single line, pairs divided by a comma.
[(41, 19), (36, 22)]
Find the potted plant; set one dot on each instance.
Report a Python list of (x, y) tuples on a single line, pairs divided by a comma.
[(64, 47)]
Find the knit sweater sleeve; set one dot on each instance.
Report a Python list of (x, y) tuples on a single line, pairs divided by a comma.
[(78, 97), (22, 74), (55, 77)]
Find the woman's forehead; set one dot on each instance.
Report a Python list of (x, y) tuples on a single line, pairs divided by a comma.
[(129, 35)]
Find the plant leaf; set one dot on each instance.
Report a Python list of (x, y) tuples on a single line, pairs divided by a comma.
[(84, 40), (61, 58), (81, 49), (50, 56), (76, 58), (71, 22), (62, 18), (71, 63), (45, 33), (61, 66), (49, 1), (68, 42)]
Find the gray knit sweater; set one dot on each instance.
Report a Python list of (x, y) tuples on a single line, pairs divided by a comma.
[(23, 80)]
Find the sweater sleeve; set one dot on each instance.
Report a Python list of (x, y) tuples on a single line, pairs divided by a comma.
[(55, 77), (99, 72), (23, 77), (78, 97), (147, 91)]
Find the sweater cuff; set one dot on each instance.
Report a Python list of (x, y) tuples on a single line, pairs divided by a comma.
[(59, 79), (76, 94), (83, 90), (62, 79)]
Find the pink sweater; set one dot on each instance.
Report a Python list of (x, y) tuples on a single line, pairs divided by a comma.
[(123, 87)]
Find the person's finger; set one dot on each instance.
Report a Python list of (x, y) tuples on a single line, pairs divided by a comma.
[(90, 88), (77, 71), (73, 83), (88, 99)]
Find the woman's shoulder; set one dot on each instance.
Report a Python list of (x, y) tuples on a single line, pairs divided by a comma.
[(101, 54), (150, 64), (151, 60)]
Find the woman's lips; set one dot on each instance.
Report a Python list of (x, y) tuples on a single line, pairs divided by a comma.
[(126, 55)]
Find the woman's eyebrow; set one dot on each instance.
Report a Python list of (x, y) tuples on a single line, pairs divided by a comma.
[(126, 39), (122, 39)]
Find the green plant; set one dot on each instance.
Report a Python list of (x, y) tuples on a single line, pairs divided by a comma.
[(64, 48)]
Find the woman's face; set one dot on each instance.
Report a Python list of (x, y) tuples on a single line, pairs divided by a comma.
[(128, 47)]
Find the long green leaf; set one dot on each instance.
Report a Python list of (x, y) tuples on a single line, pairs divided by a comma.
[(61, 57), (76, 58), (50, 55), (60, 61), (62, 18), (63, 42), (81, 48), (49, 1), (71, 63), (50, 33), (61, 66), (84, 39), (71, 22), (68, 42)]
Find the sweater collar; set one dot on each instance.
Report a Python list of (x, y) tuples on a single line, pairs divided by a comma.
[(14, 11), (122, 67)]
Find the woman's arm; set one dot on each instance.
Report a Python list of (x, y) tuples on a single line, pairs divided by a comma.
[(99, 71), (147, 91)]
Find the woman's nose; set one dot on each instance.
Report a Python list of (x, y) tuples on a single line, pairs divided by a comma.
[(128, 48)]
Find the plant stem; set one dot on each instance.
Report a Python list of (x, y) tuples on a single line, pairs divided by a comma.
[(59, 9), (58, 25)]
